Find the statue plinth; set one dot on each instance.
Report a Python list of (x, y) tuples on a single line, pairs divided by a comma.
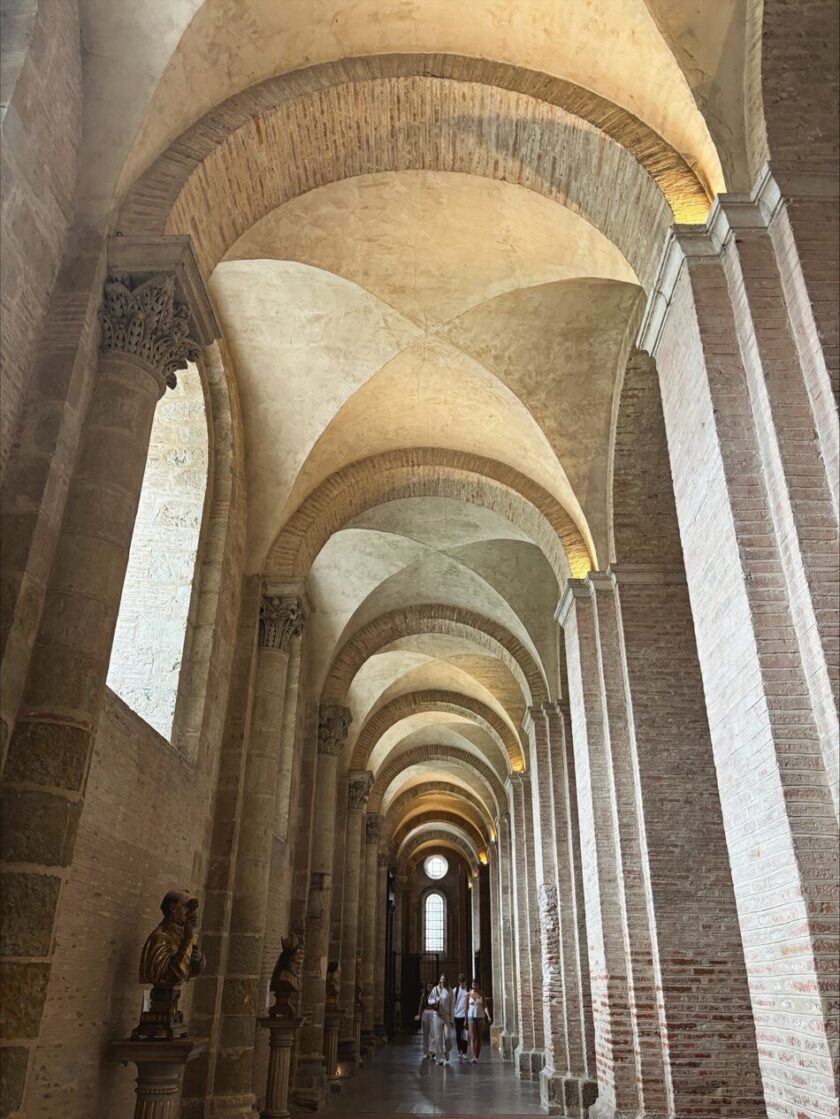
[(163, 1021), (160, 1069), (282, 1032), (332, 1024)]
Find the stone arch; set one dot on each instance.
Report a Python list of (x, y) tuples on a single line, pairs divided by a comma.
[(605, 147), (427, 472), (643, 517), (422, 754), (434, 618), (432, 817), (401, 803), (434, 700), (430, 841)]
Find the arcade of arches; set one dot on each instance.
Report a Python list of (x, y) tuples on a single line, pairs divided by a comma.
[(419, 438)]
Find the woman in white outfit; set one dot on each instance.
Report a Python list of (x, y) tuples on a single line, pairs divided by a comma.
[(477, 1014), (443, 999), (427, 1015)]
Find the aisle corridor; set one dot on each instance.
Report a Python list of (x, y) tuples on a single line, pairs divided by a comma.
[(398, 1082)]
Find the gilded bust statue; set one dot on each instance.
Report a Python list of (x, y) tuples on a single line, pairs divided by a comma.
[(170, 957), (285, 979)]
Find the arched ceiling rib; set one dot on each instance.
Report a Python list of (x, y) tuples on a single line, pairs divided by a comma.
[(436, 842), (427, 756), (445, 794), (438, 818)]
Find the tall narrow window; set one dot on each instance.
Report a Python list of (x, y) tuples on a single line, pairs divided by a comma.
[(148, 645), (435, 914)]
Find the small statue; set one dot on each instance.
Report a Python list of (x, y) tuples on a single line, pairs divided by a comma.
[(285, 979), (333, 984), (170, 958)]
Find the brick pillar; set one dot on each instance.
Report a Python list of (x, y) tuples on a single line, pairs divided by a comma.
[(509, 1037), (383, 860), (617, 1049), (333, 724), (373, 830), (337, 902), (358, 791), (803, 507), (528, 1055), (475, 926), (282, 618), (550, 973), (778, 812), (144, 340)]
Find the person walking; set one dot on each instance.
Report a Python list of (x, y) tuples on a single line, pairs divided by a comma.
[(461, 995), (477, 1014), (443, 1000), (426, 1015)]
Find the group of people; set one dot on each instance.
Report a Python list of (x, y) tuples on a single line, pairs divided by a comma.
[(443, 1010)]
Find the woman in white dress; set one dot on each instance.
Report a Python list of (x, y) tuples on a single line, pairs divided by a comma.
[(426, 1015), (477, 1015)]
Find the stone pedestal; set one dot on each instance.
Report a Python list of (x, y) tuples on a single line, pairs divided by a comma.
[(160, 1069), (332, 1024), (357, 1039), (282, 1032)]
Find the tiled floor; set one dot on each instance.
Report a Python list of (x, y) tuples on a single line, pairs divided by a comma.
[(398, 1082)]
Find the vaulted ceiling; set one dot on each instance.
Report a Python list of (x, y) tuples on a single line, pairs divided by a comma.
[(429, 230)]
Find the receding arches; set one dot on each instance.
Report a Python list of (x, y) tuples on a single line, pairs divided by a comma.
[(402, 804), (455, 703), (434, 840), (432, 619), (425, 754), (428, 472), (432, 818)]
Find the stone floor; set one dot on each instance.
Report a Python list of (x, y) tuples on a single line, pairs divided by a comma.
[(398, 1082)]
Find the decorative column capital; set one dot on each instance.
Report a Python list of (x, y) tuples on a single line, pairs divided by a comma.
[(155, 306), (358, 789), (574, 589), (282, 617), (333, 724), (373, 827)]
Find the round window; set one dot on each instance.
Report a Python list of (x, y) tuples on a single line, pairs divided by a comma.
[(436, 866)]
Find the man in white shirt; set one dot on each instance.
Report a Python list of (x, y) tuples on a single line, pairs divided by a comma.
[(461, 996), (442, 999)]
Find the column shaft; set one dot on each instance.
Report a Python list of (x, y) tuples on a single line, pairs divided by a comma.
[(358, 789), (373, 825), (380, 956), (528, 1054)]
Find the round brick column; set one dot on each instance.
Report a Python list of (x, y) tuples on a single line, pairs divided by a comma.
[(358, 790), (373, 828)]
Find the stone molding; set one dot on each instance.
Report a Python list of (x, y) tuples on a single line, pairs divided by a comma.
[(333, 725), (575, 588), (282, 617), (358, 790), (373, 827), (141, 318)]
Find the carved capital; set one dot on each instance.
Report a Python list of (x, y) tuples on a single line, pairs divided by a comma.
[(282, 617), (373, 827), (383, 859), (142, 318), (358, 790), (333, 725)]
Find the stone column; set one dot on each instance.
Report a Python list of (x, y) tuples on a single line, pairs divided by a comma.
[(333, 724), (383, 860), (495, 937), (337, 901), (528, 1055), (509, 1038), (552, 1090), (768, 740), (358, 791), (578, 1044), (146, 320), (373, 830), (400, 882), (282, 619), (475, 926), (616, 1033)]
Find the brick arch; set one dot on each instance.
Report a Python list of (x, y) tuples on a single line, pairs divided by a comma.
[(432, 817), (434, 618), (427, 472), (433, 699), (403, 802), (436, 839), (301, 130), (432, 753)]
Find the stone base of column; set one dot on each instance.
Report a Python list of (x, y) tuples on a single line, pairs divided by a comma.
[(282, 1033), (567, 1095), (160, 1070), (496, 1037), (348, 1057), (312, 1088), (332, 1024), (380, 1033), (507, 1045), (529, 1062), (368, 1044), (358, 1043)]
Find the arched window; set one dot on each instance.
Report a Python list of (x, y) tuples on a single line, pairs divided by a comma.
[(434, 937), (148, 648)]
